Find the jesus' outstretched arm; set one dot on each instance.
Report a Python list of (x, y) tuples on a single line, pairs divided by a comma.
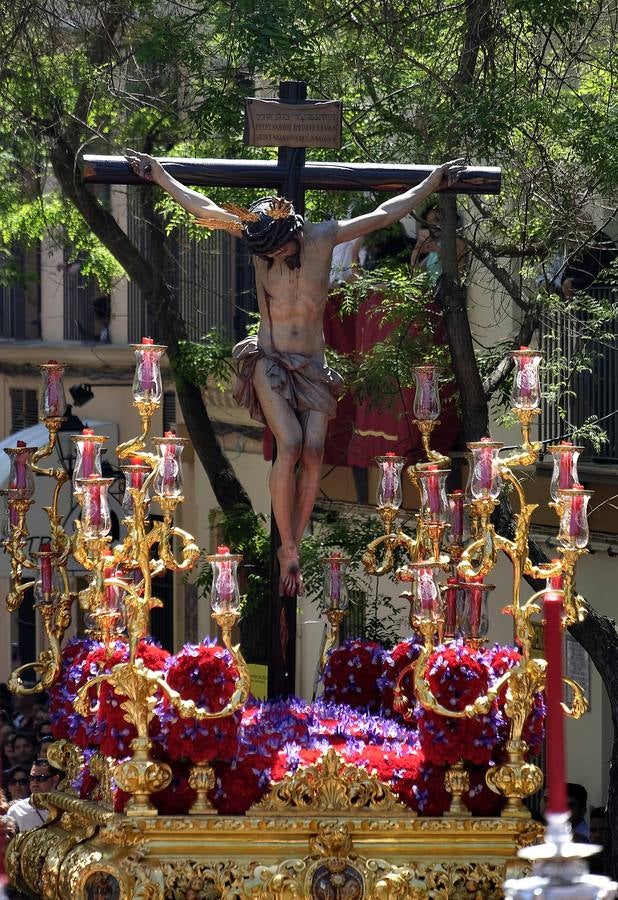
[(196, 204), (397, 207)]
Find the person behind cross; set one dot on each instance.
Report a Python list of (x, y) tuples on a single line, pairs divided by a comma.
[(283, 377)]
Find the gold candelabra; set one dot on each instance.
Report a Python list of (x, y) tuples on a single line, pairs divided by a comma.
[(440, 611), (119, 597)]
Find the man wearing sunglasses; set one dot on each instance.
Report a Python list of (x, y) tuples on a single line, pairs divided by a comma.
[(43, 778)]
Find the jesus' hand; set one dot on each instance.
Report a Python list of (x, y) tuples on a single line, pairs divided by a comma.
[(144, 165), (447, 174)]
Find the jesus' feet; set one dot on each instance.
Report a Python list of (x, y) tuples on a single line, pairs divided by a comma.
[(290, 579)]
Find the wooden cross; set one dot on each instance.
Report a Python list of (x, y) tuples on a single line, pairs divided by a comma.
[(290, 176)]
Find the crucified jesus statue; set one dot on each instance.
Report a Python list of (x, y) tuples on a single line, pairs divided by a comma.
[(283, 377)]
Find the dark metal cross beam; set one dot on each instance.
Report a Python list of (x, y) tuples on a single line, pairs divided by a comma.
[(290, 176)]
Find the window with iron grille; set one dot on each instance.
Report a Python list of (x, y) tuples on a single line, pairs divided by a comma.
[(212, 281), (353, 625), (20, 313), (594, 392), (79, 296), (24, 409), (169, 410)]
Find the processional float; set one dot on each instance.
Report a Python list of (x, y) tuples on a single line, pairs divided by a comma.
[(325, 826)]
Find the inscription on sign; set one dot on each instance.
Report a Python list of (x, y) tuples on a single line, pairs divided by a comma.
[(271, 123)]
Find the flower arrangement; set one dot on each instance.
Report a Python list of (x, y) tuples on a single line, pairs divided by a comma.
[(268, 741)]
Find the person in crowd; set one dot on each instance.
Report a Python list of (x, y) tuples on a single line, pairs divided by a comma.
[(577, 802), (17, 783), (42, 729), (24, 748), (44, 743), (8, 750), (599, 834), (43, 778), (24, 709), (426, 252)]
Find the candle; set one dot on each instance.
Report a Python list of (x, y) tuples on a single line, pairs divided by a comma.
[(457, 516), (476, 603), (556, 582), (45, 568), (554, 743), (20, 468), (53, 393), (109, 570), (525, 375), (137, 476), (433, 491), (87, 455), (225, 581), (450, 603), (577, 507), (169, 461), (565, 479), (146, 378)]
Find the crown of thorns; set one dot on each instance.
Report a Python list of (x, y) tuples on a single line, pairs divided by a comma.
[(277, 208)]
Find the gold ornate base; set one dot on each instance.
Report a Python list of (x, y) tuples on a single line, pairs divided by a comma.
[(86, 852)]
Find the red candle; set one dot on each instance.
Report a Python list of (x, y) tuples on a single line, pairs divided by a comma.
[(52, 390), (147, 367), (476, 602), (577, 506), (45, 568), (486, 465), (450, 602), (170, 468), (556, 582), (566, 468), (433, 491), (20, 468), (554, 742), (137, 477), (94, 492), (87, 455), (109, 570), (457, 511)]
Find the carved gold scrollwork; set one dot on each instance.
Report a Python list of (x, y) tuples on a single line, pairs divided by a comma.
[(579, 703), (69, 759)]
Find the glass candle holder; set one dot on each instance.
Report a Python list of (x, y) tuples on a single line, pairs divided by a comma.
[(168, 480), (526, 391), (574, 531), (335, 588), (473, 618), (224, 593), (95, 518), (134, 476), (564, 474), (88, 447), (21, 477), (427, 395), (47, 587), (112, 602), (434, 502), (147, 384), (426, 597), (485, 482), (52, 402), (390, 492)]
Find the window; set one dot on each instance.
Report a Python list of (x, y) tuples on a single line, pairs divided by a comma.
[(596, 391), (24, 409), (169, 410)]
